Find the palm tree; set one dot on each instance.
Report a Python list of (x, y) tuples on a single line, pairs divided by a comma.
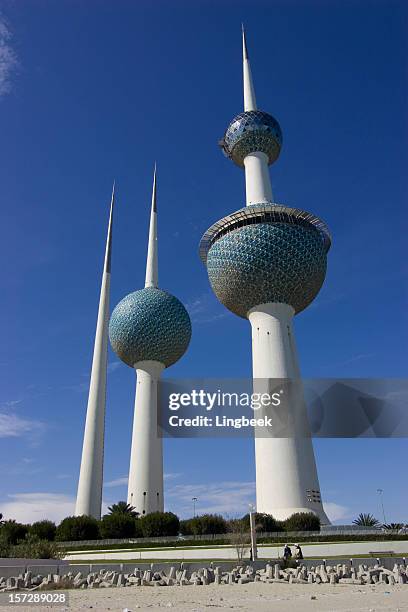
[(122, 508), (366, 520), (393, 526)]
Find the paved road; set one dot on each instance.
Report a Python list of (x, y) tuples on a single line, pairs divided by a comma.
[(348, 549)]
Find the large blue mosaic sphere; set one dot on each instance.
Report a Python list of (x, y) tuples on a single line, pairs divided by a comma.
[(267, 262), (250, 132), (150, 324)]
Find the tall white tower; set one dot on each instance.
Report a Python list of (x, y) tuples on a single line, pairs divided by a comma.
[(149, 330), (89, 496), (267, 262)]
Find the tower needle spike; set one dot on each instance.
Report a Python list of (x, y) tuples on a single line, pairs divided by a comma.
[(249, 91), (89, 496), (152, 273), (108, 251)]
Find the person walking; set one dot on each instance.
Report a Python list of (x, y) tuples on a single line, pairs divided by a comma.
[(287, 553), (298, 553)]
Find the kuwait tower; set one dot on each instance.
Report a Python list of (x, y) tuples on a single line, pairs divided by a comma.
[(266, 263), (149, 330), (89, 496)]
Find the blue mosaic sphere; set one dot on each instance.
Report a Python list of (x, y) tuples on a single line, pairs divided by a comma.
[(250, 132), (267, 262), (150, 324)]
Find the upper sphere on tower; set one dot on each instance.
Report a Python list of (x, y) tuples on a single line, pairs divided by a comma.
[(250, 132)]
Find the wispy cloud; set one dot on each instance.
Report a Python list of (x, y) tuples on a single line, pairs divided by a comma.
[(83, 386), (77, 388), (12, 403), (117, 482), (205, 309), (352, 359), (227, 497), (13, 426), (8, 57), (25, 466), (172, 475), (336, 512), (230, 498), (30, 507)]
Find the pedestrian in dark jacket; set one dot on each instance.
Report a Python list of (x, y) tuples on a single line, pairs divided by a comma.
[(287, 553)]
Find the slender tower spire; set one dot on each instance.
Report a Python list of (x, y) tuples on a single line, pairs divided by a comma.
[(149, 330), (249, 91), (152, 275), (89, 497), (257, 179)]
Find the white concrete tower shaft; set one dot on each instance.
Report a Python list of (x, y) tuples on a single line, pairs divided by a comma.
[(257, 179), (89, 496), (286, 474), (145, 486)]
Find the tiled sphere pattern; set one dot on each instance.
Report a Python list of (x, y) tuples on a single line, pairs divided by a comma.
[(150, 324), (267, 262), (250, 132)]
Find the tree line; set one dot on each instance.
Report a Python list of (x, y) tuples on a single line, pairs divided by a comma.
[(41, 537)]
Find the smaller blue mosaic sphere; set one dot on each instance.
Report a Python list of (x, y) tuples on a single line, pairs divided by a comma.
[(250, 132), (150, 324)]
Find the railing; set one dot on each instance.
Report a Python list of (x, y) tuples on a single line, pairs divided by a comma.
[(330, 530)]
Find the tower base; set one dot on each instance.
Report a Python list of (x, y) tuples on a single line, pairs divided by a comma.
[(145, 487), (286, 474)]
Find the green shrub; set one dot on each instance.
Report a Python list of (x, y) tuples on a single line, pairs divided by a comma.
[(75, 528), (12, 532), (185, 527), (206, 524), (4, 548), (159, 524), (43, 530), (302, 521), (120, 525), (264, 522), (35, 548)]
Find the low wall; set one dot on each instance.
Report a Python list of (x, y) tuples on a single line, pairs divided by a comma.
[(63, 567), (14, 567)]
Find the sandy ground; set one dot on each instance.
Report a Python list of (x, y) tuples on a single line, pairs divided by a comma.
[(253, 597)]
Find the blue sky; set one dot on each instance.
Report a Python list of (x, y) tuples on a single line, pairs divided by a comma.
[(96, 91)]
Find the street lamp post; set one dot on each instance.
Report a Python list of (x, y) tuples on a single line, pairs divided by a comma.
[(254, 550), (194, 500), (380, 493)]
